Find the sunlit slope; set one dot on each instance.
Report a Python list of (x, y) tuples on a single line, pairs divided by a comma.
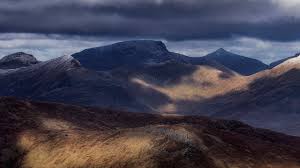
[(271, 99), (55, 135)]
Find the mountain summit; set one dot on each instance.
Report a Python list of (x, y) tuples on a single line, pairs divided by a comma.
[(128, 53), (17, 60), (240, 64)]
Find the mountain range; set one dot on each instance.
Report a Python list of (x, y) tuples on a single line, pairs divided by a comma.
[(143, 76)]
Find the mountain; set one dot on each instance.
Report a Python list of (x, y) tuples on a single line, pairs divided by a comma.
[(146, 88), (128, 53), (240, 64), (163, 81), (274, 64), (17, 60), (173, 84), (64, 80), (269, 100), (40, 134), (135, 54), (118, 83)]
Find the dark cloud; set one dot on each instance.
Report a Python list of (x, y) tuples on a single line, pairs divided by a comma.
[(275, 20)]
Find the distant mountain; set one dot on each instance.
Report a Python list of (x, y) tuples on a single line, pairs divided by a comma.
[(135, 54), (240, 64), (274, 64), (40, 134), (17, 60), (128, 53)]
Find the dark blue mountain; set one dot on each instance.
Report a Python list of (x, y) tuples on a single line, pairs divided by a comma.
[(129, 53), (240, 64), (136, 54)]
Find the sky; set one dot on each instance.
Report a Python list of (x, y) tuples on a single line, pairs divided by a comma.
[(263, 29)]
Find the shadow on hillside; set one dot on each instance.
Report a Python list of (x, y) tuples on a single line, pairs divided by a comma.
[(264, 100), (260, 93)]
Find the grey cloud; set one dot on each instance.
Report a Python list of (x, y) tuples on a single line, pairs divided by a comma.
[(166, 19)]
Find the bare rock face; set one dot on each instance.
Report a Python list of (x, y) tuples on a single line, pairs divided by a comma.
[(17, 60)]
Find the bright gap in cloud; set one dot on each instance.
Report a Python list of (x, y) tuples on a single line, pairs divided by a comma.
[(46, 47)]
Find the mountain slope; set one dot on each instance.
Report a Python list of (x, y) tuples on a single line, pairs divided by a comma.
[(270, 100), (37, 134), (240, 64), (17, 60), (274, 64), (64, 80)]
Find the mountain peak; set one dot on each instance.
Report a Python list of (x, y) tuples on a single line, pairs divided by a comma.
[(17, 60), (240, 64), (221, 50), (143, 43), (127, 53)]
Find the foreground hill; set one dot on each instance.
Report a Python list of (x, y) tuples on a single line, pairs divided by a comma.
[(37, 134), (240, 64), (17, 60)]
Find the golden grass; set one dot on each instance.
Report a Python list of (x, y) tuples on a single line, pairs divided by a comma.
[(83, 149), (57, 141), (204, 83)]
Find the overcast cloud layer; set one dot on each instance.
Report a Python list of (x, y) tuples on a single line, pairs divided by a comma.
[(276, 20), (264, 29)]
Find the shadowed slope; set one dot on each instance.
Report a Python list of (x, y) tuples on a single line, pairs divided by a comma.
[(55, 135), (64, 80)]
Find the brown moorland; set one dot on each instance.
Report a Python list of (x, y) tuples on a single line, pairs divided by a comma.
[(39, 134)]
